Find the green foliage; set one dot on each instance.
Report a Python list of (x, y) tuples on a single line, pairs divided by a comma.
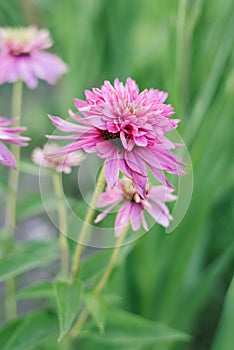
[(68, 297), (97, 307), (28, 331), (27, 256), (127, 329), (37, 290), (224, 335)]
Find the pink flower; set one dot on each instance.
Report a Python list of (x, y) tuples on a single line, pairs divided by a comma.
[(22, 57), (9, 135), (127, 128), (60, 164), (133, 205)]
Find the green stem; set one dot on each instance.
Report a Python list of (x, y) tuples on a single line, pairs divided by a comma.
[(87, 221), (14, 173), (101, 284), (13, 180), (62, 222)]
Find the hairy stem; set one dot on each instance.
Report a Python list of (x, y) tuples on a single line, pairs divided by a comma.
[(62, 222), (87, 221), (10, 221), (101, 284)]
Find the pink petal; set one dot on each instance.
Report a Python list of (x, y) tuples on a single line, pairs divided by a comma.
[(135, 216), (63, 125), (47, 66), (6, 157), (112, 168), (161, 193), (102, 215), (26, 73), (122, 218)]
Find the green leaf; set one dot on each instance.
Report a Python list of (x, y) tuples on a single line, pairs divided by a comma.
[(38, 290), (68, 297), (7, 331), (127, 329), (28, 256), (33, 205), (97, 308), (224, 338), (27, 332)]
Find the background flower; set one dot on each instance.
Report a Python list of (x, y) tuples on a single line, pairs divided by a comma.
[(60, 164), (127, 128), (133, 205), (22, 57), (9, 135)]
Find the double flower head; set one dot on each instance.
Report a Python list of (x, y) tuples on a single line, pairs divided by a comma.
[(128, 129)]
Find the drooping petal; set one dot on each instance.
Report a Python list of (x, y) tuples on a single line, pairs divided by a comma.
[(122, 218), (135, 216), (102, 215), (112, 168), (159, 212), (6, 157)]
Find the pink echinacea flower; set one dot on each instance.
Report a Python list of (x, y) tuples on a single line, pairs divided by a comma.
[(22, 56), (133, 205), (127, 128), (60, 164), (9, 135)]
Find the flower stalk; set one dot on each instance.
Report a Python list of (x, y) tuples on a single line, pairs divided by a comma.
[(13, 180), (101, 284), (87, 221), (62, 224)]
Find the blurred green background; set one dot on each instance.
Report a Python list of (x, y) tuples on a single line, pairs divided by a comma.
[(186, 48)]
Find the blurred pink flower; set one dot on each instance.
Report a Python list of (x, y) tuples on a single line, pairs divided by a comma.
[(22, 57), (133, 205), (127, 128), (60, 164), (9, 135)]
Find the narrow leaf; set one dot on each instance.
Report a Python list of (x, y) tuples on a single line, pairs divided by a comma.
[(68, 297), (38, 290), (28, 256), (127, 329), (28, 332), (97, 308), (224, 338), (33, 205)]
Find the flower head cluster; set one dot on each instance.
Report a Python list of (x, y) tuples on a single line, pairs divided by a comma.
[(133, 205), (127, 128), (10, 135), (60, 164), (22, 56)]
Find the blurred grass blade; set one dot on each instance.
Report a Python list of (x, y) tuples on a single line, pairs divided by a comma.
[(37, 290), (33, 205), (27, 332), (224, 337), (28, 256)]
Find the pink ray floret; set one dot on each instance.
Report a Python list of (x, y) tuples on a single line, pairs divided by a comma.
[(133, 205), (60, 164), (23, 56), (10, 135), (127, 128)]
